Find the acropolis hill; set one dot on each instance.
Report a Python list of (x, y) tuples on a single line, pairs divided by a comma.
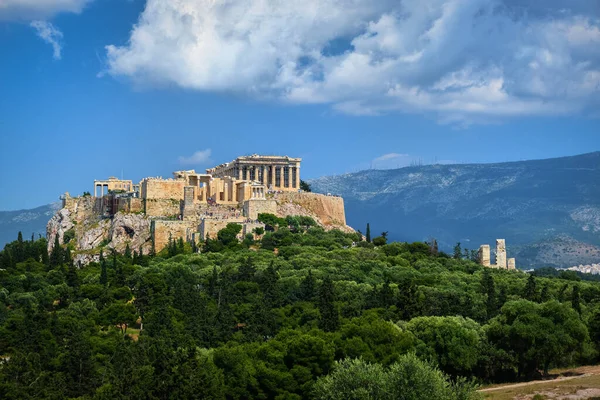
[(191, 206)]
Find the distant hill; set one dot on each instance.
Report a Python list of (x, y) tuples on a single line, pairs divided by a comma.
[(547, 210), (27, 221)]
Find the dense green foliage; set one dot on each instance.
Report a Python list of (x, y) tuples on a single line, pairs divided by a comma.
[(300, 313)]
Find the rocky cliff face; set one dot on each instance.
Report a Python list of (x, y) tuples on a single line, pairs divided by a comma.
[(328, 211), (79, 220)]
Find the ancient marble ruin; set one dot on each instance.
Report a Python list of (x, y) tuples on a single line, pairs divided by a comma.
[(501, 261), (192, 205)]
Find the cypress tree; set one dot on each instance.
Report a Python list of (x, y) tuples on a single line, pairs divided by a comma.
[(330, 319), (56, 257), (576, 299), (103, 272), (153, 248), (19, 249), (368, 234), (127, 253), (72, 278), (68, 259), (213, 281), (180, 246)]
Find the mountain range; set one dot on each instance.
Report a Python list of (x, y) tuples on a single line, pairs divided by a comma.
[(32, 221), (547, 210)]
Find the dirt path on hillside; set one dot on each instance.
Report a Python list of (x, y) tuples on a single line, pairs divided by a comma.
[(584, 371)]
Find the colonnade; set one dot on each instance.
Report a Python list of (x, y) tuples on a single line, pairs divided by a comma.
[(275, 177)]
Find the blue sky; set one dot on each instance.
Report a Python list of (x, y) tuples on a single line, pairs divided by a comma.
[(94, 88)]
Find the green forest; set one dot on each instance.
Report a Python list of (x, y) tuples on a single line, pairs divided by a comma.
[(300, 313)]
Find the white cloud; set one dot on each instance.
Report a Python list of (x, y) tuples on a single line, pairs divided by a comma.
[(467, 61), (28, 10), (51, 35), (199, 157)]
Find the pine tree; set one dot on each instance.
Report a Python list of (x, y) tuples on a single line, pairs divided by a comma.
[(180, 246), (530, 289), (368, 234), (330, 319)]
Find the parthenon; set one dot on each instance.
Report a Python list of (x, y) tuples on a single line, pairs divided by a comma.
[(275, 172)]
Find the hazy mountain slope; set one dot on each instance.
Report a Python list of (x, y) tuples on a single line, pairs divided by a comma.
[(529, 203), (26, 221)]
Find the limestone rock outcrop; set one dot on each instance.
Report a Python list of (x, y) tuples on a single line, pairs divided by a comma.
[(57, 226), (328, 211), (90, 230)]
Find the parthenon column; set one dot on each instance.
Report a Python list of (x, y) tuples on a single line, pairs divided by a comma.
[(297, 177), (290, 177), (239, 170), (271, 176), (280, 173)]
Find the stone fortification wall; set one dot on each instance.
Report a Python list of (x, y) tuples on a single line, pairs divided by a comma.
[(254, 207), (328, 211), (210, 227), (130, 205), (162, 207), (162, 188), (249, 228), (163, 229)]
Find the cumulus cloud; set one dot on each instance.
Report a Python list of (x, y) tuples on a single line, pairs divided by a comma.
[(51, 35), (37, 9), (463, 60), (199, 157)]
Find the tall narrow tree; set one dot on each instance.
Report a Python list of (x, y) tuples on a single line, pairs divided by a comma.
[(330, 319), (368, 234)]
